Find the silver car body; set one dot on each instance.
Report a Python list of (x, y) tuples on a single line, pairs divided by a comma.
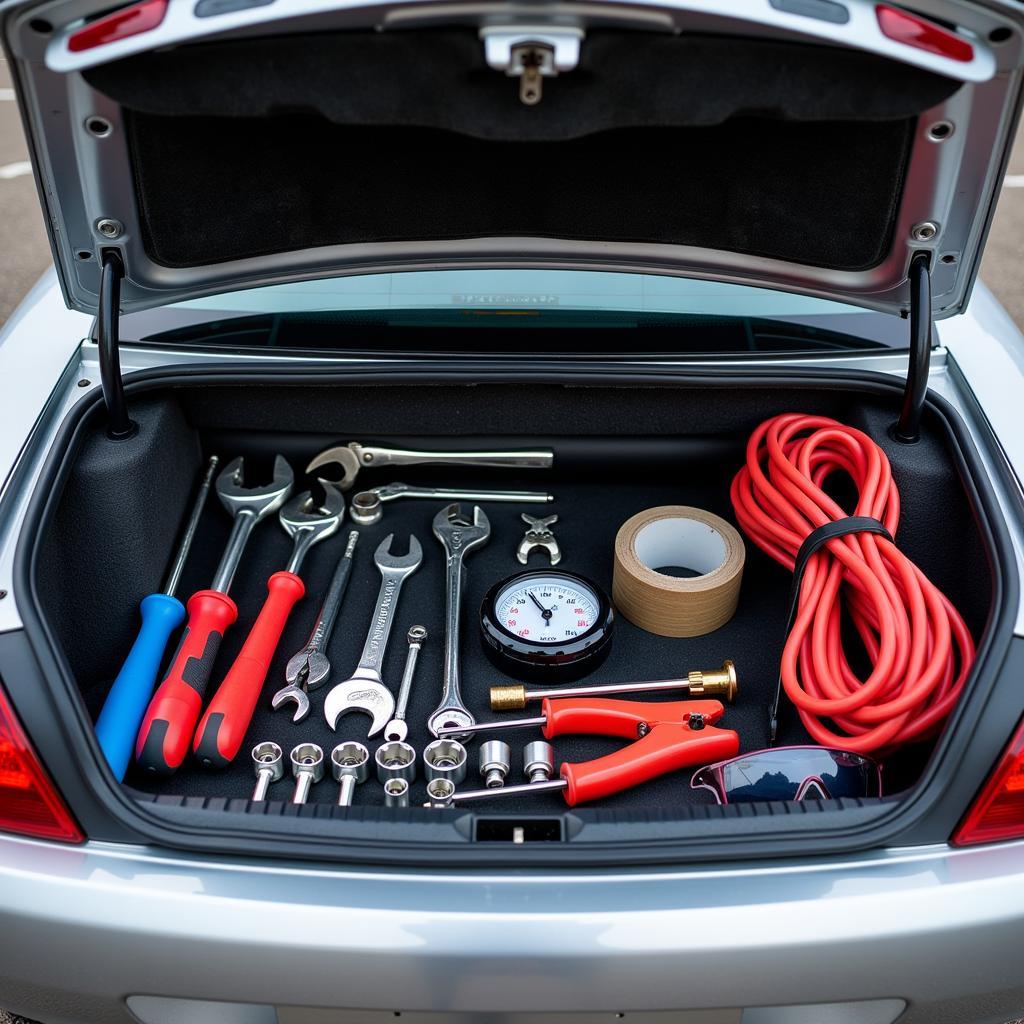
[(105, 932), (115, 933)]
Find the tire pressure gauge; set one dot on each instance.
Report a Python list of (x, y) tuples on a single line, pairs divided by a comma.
[(546, 626)]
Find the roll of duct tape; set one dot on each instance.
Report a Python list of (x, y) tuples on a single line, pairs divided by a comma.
[(677, 536)]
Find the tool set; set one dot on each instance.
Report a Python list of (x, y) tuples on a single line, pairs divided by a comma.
[(550, 627)]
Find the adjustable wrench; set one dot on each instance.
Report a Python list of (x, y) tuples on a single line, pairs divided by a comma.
[(459, 536), (354, 455), (365, 690), (310, 667)]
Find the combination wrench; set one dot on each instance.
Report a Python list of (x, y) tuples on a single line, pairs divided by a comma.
[(365, 690), (309, 668), (459, 536), (353, 456), (367, 507), (397, 729)]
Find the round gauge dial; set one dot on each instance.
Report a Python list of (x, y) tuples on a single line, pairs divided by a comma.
[(546, 625)]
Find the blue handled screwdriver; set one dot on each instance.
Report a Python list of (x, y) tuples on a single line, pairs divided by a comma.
[(162, 613)]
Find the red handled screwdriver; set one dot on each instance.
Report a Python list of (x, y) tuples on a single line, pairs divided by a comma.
[(222, 729), (667, 737), (170, 720)]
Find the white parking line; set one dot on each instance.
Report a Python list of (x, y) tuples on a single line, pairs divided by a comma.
[(1013, 181), (15, 170), (6, 94)]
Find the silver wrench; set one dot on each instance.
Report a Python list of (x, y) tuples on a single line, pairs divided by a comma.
[(367, 507), (353, 456), (309, 668), (397, 729), (459, 536), (365, 690)]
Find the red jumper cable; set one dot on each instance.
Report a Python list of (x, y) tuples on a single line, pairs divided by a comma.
[(918, 644)]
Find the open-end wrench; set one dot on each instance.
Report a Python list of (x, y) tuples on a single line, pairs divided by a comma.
[(365, 690), (352, 456), (367, 507), (309, 668), (222, 728), (459, 535), (170, 720)]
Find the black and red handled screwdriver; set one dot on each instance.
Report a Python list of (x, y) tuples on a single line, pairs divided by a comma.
[(667, 737), (165, 736)]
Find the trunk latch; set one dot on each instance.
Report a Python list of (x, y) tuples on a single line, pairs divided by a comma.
[(531, 55)]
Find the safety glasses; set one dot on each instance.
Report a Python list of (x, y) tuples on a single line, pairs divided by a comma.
[(790, 773)]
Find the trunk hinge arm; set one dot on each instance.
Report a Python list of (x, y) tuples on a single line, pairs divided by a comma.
[(119, 425), (908, 426)]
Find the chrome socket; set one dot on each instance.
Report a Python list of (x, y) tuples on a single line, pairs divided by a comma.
[(440, 793), (538, 761), (350, 765), (395, 760), (308, 768), (445, 759), (495, 763), (268, 764), (396, 793)]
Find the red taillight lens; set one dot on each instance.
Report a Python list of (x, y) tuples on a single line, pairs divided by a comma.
[(128, 21), (904, 27), (29, 803), (998, 810)]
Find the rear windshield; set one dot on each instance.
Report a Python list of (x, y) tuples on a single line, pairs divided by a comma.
[(501, 312)]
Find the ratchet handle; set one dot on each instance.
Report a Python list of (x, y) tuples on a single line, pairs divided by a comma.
[(170, 719), (122, 712), (627, 719), (666, 748), (223, 727)]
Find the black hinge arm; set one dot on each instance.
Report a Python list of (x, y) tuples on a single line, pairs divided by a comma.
[(119, 425), (908, 426)]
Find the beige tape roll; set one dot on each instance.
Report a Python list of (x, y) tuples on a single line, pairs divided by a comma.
[(677, 535)]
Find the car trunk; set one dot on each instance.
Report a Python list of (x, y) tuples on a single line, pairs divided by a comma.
[(210, 155), (119, 505)]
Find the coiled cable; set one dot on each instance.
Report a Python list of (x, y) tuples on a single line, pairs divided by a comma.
[(918, 645)]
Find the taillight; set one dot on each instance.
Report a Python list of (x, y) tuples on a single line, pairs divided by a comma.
[(998, 810), (121, 24), (29, 803), (904, 27)]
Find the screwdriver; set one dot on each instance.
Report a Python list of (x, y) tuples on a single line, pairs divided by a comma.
[(170, 720), (667, 737), (161, 613), (711, 682)]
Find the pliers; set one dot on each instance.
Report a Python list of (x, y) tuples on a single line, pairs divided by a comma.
[(667, 737)]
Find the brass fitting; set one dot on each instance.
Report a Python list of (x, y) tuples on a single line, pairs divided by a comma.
[(508, 698), (715, 682), (710, 682)]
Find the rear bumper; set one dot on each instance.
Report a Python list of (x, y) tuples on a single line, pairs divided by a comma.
[(83, 929)]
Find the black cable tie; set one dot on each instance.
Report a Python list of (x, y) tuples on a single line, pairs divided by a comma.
[(811, 544)]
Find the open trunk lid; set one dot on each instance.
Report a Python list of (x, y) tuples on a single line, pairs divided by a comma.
[(809, 146)]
